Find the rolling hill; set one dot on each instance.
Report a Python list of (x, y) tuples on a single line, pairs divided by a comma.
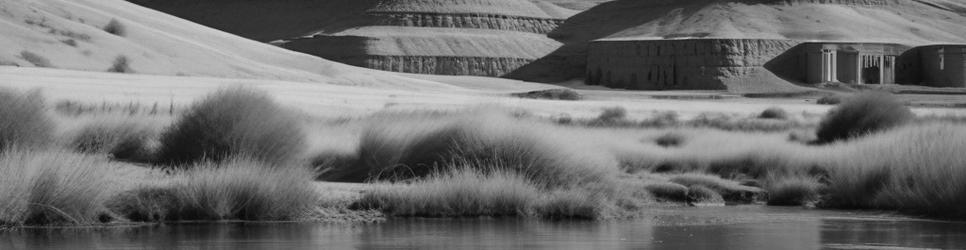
[(115, 35)]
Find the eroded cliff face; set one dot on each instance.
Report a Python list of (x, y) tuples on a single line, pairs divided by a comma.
[(467, 21), (736, 65), (447, 37)]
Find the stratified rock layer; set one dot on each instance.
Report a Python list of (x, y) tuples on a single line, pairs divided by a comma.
[(686, 64)]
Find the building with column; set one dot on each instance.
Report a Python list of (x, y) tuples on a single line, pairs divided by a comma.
[(856, 63), (750, 65)]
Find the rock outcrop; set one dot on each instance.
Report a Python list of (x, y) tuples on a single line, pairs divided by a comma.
[(684, 64), (447, 37), (450, 37)]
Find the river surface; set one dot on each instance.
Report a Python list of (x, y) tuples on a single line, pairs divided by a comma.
[(743, 227)]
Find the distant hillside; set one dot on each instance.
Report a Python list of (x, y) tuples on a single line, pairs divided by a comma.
[(448, 37), (115, 35), (912, 22)]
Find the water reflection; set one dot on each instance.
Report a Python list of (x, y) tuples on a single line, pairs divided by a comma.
[(716, 228)]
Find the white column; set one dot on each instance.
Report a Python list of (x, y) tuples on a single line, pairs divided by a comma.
[(881, 69), (835, 67)]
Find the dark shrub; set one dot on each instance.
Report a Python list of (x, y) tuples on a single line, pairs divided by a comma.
[(125, 140), (830, 100), (35, 59), (661, 120), (23, 120), (120, 65), (551, 94), (670, 140), (794, 191), (233, 121), (116, 28), (394, 152), (774, 113), (863, 114), (612, 115), (703, 196)]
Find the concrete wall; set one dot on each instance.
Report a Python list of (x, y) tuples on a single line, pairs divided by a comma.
[(711, 64), (942, 65)]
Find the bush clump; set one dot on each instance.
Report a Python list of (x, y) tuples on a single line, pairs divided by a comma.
[(529, 148), (861, 115), (120, 65), (116, 28), (829, 100), (121, 139), (234, 189), (916, 169), (23, 120), (39, 188), (551, 94), (457, 193), (794, 191), (774, 113), (670, 140), (612, 115), (232, 122)]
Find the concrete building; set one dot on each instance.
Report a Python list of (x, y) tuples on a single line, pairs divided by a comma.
[(942, 65), (736, 64), (856, 63)]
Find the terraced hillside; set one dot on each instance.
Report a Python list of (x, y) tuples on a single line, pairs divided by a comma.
[(448, 37)]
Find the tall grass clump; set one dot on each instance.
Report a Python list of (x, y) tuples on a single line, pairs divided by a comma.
[(463, 191), (773, 113), (863, 114), (53, 188), (232, 122), (234, 189), (121, 139), (917, 169), (23, 120), (532, 149), (794, 191)]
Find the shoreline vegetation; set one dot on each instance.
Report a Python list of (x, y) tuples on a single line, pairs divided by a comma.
[(237, 155)]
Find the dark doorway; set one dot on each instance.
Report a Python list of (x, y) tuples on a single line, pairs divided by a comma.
[(870, 75)]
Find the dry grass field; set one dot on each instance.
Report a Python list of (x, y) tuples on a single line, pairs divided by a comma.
[(239, 154)]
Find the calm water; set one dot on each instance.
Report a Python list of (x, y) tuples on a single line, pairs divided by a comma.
[(688, 228)]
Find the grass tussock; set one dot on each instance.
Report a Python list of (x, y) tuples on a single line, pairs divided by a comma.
[(551, 94), (123, 139), (235, 189), (534, 150), (863, 114), (774, 113), (23, 120), (232, 122), (916, 169), (40, 188), (794, 191), (461, 192), (470, 191), (728, 189)]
